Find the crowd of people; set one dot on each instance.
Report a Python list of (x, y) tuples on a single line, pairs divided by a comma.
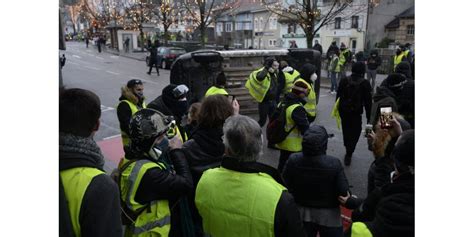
[(193, 169)]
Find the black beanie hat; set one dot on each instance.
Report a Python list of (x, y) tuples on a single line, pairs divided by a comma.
[(358, 68), (306, 71), (395, 80), (132, 83), (167, 94)]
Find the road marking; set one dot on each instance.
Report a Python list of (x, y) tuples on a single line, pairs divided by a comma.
[(113, 56), (104, 108), (113, 73), (92, 67), (108, 126), (114, 136), (73, 63), (99, 57), (76, 56)]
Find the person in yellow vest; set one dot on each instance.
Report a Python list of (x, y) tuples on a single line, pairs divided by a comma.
[(89, 200), (334, 69), (407, 52), (173, 102), (131, 100), (345, 57), (263, 86), (289, 75), (398, 58), (243, 197), (219, 86), (154, 179), (309, 76), (296, 122)]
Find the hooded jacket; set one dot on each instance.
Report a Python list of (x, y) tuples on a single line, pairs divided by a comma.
[(100, 208), (307, 173), (384, 97), (374, 62), (124, 113), (365, 90)]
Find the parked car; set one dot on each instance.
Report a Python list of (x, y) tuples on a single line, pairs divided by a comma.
[(166, 56)]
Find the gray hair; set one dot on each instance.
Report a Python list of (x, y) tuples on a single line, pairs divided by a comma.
[(243, 138)]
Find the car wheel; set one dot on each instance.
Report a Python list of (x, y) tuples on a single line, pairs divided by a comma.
[(163, 64)]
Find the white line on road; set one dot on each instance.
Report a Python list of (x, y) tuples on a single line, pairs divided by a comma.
[(113, 56), (73, 63), (104, 108), (76, 56), (113, 73), (108, 126), (92, 67), (99, 57), (108, 138)]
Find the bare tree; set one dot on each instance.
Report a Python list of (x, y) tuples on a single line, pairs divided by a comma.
[(205, 12), (136, 14), (308, 14)]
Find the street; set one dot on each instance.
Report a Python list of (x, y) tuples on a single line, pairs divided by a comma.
[(105, 73)]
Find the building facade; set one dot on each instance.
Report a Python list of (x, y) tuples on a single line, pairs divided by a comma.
[(381, 13), (402, 29)]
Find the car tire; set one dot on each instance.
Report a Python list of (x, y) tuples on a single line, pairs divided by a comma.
[(163, 64)]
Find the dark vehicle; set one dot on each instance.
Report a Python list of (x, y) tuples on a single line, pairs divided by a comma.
[(198, 70), (166, 56)]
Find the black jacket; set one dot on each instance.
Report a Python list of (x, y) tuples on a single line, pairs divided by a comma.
[(287, 218), (299, 115), (374, 62), (318, 47), (404, 184), (331, 50), (124, 113), (384, 97), (379, 172), (158, 184), (314, 178), (272, 91), (160, 105), (100, 208), (364, 88), (406, 105)]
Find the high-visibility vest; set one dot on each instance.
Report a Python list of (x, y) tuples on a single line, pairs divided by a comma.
[(258, 89), (310, 105), (215, 91), (174, 131), (134, 108), (289, 79), (406, 53), (294, 139), (397, 59), (156, 219), (243, 205), (75, 182), (359, 229), (342, 58)]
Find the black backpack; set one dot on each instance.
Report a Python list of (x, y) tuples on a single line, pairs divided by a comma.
[(351, 98), (276, 126)]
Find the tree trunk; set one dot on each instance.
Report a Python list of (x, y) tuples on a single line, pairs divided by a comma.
[(142, 38), (309, 40), (166, 35), (202, 28)]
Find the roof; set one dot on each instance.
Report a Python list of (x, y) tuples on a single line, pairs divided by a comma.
[(395, 23)]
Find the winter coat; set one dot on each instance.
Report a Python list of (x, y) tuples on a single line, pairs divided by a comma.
[(331, 50), (160, 105), (364, 88), (384, 97), (318, 47), (153, 55), (124, 113), (374, 62), (406, 105), (100, 208), (314, 178), (158, 184)]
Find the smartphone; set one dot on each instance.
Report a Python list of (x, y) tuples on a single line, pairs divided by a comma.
[(368, 129), (385, 117), (231, 98)]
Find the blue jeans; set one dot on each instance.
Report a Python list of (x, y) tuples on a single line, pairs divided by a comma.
[(333, 81)]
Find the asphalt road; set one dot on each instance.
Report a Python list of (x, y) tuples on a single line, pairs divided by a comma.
[(105, 73)]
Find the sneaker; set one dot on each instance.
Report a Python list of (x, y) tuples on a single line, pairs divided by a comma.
[(148, 73), (333, 92), (347, 160)]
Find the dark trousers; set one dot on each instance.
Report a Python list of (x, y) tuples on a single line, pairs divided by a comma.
[(99, 47), (351, 129), (265, 109), (156, 66), (284, 155), (312, 230)]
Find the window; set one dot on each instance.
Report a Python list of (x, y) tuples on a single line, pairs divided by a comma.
[(256, 27), (410, 29), (262, 27), (219, 27), (273, 23), (228, 27), (355, 22), (270, 42), (291, 28), (337, 23)]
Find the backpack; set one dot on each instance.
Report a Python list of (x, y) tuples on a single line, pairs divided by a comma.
[(351, 98), (276, 125)]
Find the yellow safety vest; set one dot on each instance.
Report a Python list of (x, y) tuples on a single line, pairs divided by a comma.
[(134, 108), (156, 219), (289, 79), (294, 139), (258, 89), (174, 131), (342, 58), (215, 91), (75, 182), (310, 106), (359, 229), (406, 53), (243, 205), (397, 59)]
